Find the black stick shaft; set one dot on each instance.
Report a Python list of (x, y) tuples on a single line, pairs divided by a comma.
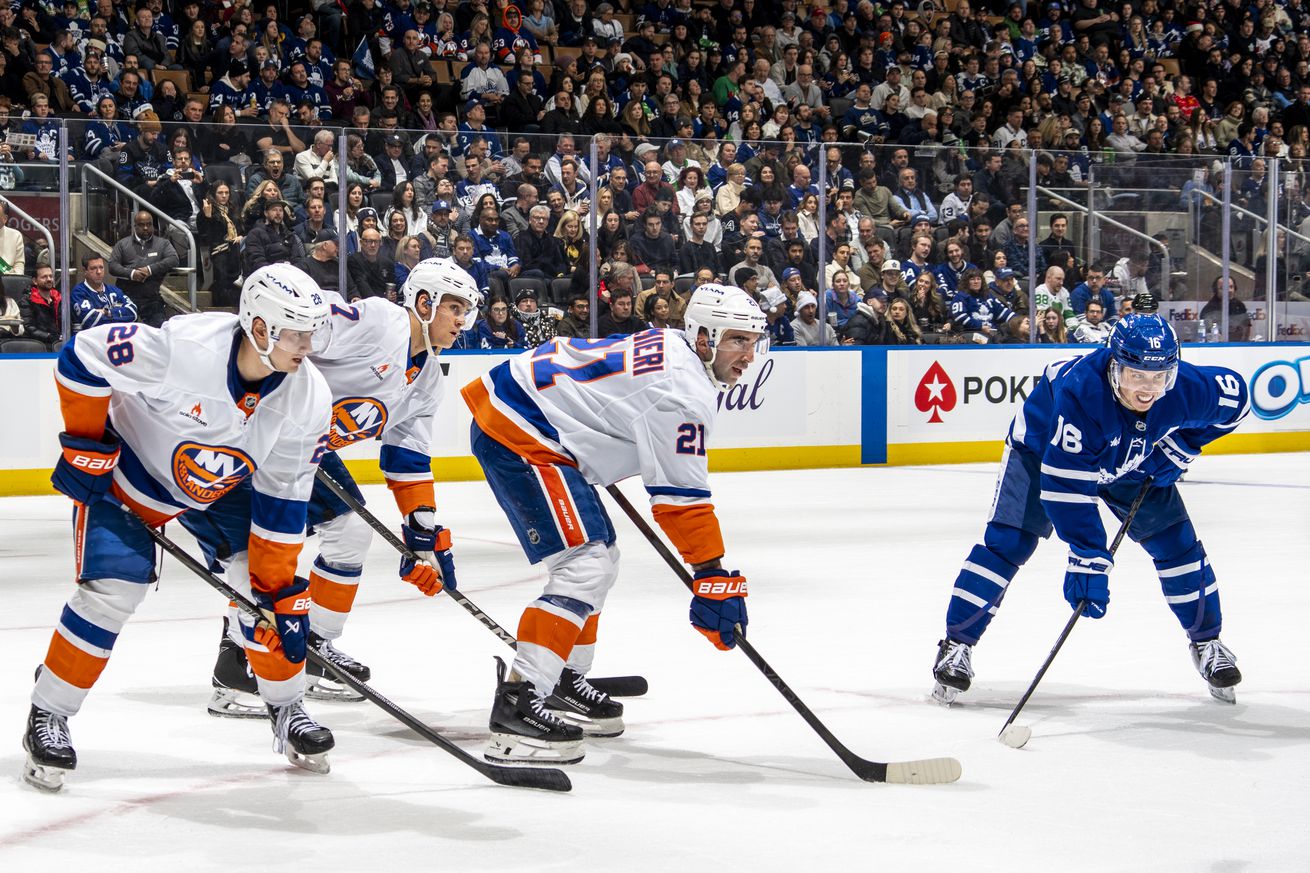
[(526, 777), (856, 763), (399, 545), (1078, 611)]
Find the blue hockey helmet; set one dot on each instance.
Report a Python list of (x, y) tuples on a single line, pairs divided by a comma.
[(1144, 341)]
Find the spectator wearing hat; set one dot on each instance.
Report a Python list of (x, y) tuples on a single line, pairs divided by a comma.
[(440, 231), (272, 240), (867, 326), (892, 279), (806, 327), (536, 325), (474, 126), (393, 166), (233, 89), (677, 161), (140, 261), (1005, 288), (323, 264), (143, 161)]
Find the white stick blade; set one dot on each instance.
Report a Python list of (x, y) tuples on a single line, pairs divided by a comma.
[(929, 771), (1016, 735)]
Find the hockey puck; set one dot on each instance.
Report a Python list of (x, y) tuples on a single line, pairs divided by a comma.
[(1015, 736)]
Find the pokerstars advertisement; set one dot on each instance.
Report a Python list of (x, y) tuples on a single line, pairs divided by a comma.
[(966, 394)]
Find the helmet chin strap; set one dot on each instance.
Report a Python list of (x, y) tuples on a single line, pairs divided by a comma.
[(427, 339)]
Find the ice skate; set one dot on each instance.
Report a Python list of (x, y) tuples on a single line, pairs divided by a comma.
[(953, 670), (236, 692), (578, 702), (49, 750), (323, 685), (1218, 667), (304, 741), (524, 730)]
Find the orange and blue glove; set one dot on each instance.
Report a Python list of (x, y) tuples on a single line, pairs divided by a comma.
[(287, 610), (85, 468), (718, 605), (435, 568)]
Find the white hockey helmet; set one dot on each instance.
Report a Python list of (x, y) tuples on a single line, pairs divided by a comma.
[(439, 277), (284, 298), (720, 308)]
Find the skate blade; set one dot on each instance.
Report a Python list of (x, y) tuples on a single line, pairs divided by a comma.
[(230, 703), (43, 777), (509, 748), (313, 763), (597, 727), (1224, 695), (944, 694), (319, 688)]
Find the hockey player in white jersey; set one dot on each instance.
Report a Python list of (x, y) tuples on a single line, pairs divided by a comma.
[(159, 421), (380, 364), (549, 426)]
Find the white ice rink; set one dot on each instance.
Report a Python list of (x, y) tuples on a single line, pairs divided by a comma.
[(1131, 766)]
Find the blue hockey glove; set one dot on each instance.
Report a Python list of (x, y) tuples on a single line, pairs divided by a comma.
[(1087, 581), (1164, 465), (431, 542), (85, 469), (287, 609), (719, 605)]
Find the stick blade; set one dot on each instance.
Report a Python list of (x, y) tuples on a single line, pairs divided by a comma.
[(545, 778), (620, 686), (1016, 736), (929, 771)]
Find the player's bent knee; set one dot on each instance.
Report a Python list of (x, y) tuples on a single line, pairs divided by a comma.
[(344, 540), (1010, 543), (1172, 543), (585, 573), (108, 602)]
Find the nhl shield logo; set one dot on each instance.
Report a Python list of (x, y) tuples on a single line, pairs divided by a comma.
[(533, 536)]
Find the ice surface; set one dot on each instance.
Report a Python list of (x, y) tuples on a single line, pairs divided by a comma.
[(1131, 765)]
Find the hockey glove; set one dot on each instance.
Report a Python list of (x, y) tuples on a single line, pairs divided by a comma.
[(435, 568), (719, 605), (1164, 466), (85, 469), (1087, 581), (287, 609)]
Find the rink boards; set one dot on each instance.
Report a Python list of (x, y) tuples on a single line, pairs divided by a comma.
[(799, 408)]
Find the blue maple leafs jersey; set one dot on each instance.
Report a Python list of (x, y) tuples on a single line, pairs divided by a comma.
[(1087, 439)]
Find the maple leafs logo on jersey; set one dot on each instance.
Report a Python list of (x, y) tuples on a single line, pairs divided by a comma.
[(206, 473), (935, 393), (355, 419)]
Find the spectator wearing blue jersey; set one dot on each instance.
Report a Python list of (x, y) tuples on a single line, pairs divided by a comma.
[(95, 301), (106, 134), (973, 309), (88, 83), (1092, 287), (948, 274)]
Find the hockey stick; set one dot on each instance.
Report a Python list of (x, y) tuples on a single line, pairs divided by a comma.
[(618, 686), (1016, 735), (520, 777), (929, 771)]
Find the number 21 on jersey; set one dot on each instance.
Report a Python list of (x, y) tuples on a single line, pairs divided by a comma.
[(547, 368)]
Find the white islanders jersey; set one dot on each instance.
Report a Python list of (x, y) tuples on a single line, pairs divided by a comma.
[(639, 405), (380, 392), (191, 431)]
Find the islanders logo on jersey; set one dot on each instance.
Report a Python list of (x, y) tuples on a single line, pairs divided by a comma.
[(206, 473), (355, 419)]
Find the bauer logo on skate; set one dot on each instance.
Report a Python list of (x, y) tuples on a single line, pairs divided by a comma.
[(206, 473), (355, 419), (1279, 387)]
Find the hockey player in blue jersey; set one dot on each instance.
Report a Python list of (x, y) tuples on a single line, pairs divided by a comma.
[(1095, 428)]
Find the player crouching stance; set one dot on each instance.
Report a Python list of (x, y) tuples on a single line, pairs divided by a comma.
[(1095, 428), (380, 364), (549, 426), (162, 421)]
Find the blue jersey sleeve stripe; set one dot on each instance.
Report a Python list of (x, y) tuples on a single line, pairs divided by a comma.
[(669, 491), (71, 367), (277, 514), (398, 459)]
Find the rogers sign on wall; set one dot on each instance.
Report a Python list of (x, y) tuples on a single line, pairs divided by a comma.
[(968, 394)]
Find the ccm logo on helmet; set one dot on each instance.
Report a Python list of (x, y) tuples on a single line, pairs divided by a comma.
[(206, 473), (355, 419), (721, 588)]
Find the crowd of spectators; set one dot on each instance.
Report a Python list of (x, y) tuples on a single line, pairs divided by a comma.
[(468, 127)]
